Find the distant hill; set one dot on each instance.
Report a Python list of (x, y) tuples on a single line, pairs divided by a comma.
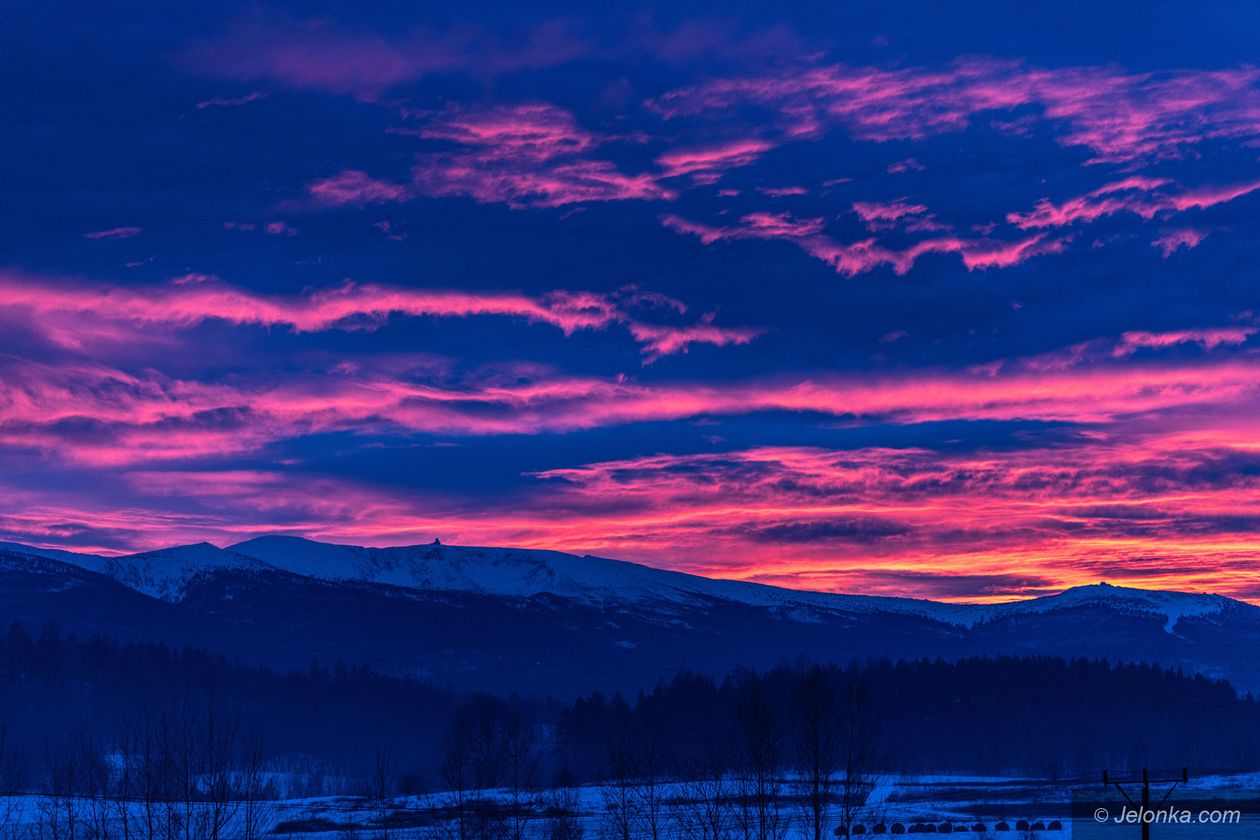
[(509, 619)]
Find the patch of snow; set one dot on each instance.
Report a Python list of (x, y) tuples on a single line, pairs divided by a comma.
[(522, 573), (1172, 606), (166, 573), (49, 553)]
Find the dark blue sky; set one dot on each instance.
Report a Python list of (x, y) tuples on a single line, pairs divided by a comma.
[(914, 298)]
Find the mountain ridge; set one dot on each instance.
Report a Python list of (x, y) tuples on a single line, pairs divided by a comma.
[(524, 573), (501, 619)]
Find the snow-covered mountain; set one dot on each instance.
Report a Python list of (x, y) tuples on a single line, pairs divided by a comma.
[(512, 617), (165, 573), (525, 573), (595, 581), (1171, 606)]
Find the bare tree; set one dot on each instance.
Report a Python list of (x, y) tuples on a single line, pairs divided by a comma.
[(521, 757), (157, 772), (125, 787), (859, 745), (185, 749), (485, 731), (621, 804), (486, 744), (215, 783), (58, 810), (14, 763), (254, 788), (93, 784), (563, 819), (380, 788), (705, 810), (13, 777), (760, 814), (456, 770), (647, 787), (817, 738)]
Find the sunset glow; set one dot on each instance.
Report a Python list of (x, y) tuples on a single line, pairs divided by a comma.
[(859, 317)]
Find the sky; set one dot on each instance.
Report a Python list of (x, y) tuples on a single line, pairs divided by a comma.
[(954, 301)]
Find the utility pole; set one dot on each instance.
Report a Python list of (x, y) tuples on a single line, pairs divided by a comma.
[(1144, 814)]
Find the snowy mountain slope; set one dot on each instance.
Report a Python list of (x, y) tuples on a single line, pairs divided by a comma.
[(522, 573), (1171, 606), (18, 559), (72, 557), (166, 573), (592, 581), (520, 620)]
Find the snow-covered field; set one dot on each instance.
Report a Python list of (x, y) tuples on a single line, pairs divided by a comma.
[(984, 808)]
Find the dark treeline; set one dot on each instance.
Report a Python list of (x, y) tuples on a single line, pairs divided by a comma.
[(1039, 716), (325, 724), (364, 732)]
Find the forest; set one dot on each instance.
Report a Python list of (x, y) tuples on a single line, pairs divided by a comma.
[(1038, 716), (204, 740)]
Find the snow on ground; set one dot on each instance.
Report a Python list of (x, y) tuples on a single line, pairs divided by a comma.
[(959, 800)]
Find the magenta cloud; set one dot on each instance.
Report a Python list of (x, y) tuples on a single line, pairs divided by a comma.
[(706, 165), (1119, 117), (889, 215), (1142, 196), (353, 186), (145, 415), (192, 299), (1178, 239), (853, 258), (114, 233), (661, 341), (532, 155)]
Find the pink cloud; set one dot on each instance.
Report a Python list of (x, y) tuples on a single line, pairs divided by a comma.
[(751, 226), (1145, 197), (817, 517), (490, 178), (879, 216), (114, 233), (1100, 350), (280, 228), (523, 156), (1174, 240), (535, 132), (855, 258), (192, 278), (193, 299), (782, 192), (69, 314), (1119, 117), (353, 186), (982, 255), (706, 165), (901, 167), (145, 416), (1208, 339), (231, 101), (839, 518), (661, 341)]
